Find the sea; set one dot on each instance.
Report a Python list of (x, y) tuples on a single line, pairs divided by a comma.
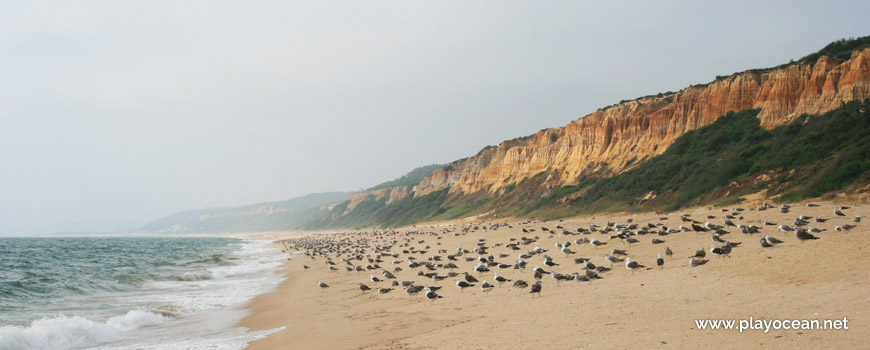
[(132, 292)]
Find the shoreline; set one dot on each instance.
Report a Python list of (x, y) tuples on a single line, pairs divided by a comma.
[(815, 280)]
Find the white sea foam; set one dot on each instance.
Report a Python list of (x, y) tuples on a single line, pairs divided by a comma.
[(221, 286), (194, 297), (232, 339), (74, 332)]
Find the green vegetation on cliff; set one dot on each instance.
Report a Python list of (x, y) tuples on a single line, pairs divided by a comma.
[(410, 179), (809, 157), (715, 164)]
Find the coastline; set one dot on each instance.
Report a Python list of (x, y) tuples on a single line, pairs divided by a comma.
[(822, 279)]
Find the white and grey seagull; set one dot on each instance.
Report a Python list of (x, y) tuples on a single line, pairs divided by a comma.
[(632, 265)]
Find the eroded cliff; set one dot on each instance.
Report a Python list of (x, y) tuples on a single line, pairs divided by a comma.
[(614, 139)]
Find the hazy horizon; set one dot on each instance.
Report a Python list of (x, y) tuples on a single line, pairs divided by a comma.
[(116, 114)]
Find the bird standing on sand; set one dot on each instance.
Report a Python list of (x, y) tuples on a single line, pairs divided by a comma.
[(499, 279), (660, 262), (536, 288), (668, 252), (539, 270), (486, 287), (322, 285), (558, 277), (632, 265), (612, 259), (462, 285), (521, 284), (700, 253), (597, 243), (431, 295), (374, 279), (771, 240), (469, 278), (412, 290), (696, 262), (803, 235), (844, 228), (364, 287)]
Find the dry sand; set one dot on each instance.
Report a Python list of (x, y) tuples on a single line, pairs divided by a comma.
[(821, 279)]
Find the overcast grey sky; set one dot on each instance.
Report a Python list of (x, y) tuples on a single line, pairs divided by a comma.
[(115, 113)]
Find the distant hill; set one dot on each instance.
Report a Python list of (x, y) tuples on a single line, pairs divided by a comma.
[(270, 216)]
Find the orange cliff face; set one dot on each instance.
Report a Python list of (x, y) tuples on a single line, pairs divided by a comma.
[(614, 139)]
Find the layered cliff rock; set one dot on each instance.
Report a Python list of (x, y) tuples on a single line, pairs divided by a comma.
[(614, 139)]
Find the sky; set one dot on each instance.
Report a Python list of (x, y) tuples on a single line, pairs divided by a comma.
[(117, 113)]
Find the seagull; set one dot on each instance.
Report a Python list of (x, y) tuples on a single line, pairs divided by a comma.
[(844, 228), (592, 275), (589, 265), (364, 287), (431, 295), (597, 243), (566, 251), (539, 270), (700, 253), (536, 288), (384, 290), (387, 274), (668, 252), (549, 261), (462, 285), (612, 259), (470, 278), (660, 262), (500, 279), (726, 249), (696, 262), (632, 265), (657, 241), (857, 219), (521, 284), (412, 289), (838, 212), (322, 285), (580, 278), (486, 287), (558, 277), (480, 268), (618, 252), (717, 251), (785, 228), (803, 235), (771, 240), (374, 279)]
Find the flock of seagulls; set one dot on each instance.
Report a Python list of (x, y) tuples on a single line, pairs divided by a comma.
[(418, 252)]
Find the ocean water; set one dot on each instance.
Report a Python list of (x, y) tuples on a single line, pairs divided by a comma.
[(131, 292)]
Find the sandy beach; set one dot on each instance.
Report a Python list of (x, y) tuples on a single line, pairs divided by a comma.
[(651, 308)]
